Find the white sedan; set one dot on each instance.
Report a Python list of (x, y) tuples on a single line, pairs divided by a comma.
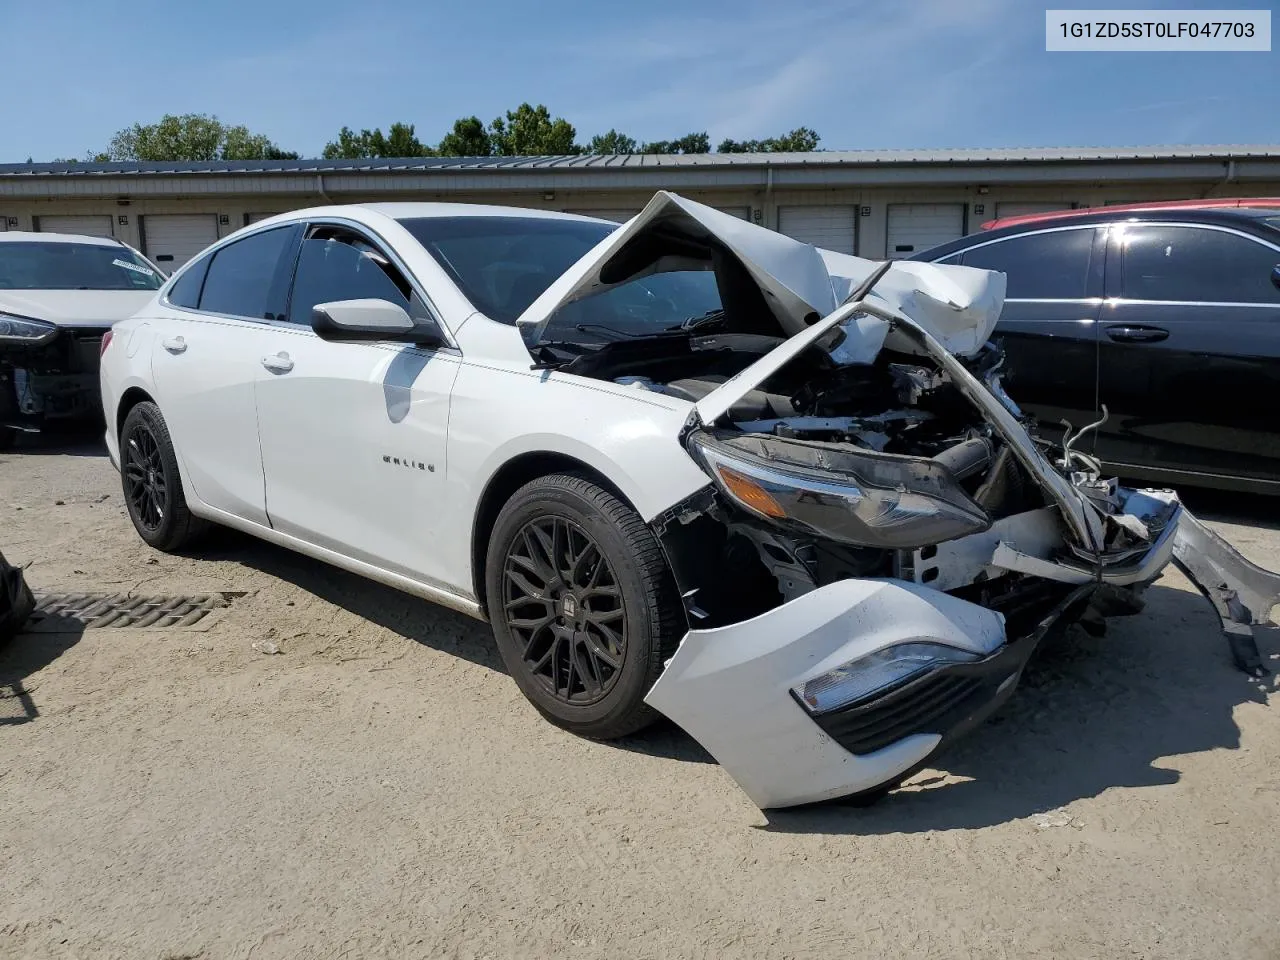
[(685, 465), (58, 294)]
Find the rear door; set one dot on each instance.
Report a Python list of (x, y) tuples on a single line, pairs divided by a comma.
[(1048, 326), (353, 434), (1189, 358), (205, 361)]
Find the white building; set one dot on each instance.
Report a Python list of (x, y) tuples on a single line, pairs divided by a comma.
[(873, 202)]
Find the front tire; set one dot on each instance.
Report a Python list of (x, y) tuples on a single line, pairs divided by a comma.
[(152, 486), (583, 608)]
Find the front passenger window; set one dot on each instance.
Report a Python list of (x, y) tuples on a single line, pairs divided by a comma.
[(340, 265)]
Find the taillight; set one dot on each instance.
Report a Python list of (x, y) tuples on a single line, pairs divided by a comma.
[(106, 342)]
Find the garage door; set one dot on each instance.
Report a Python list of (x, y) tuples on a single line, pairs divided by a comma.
[(914, 227), (255, 217), (617, 216), (1018, 209), (173, 239), (742, 213), (89, 226), (830, 227)]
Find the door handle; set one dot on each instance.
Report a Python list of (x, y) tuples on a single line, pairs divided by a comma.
[(174, 344), (278, 362), (1137, 334)]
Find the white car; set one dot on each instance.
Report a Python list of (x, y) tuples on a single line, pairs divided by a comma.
[(685, 465), (58, 293)]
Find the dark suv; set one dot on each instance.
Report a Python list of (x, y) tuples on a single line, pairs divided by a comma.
[(1170, 317)]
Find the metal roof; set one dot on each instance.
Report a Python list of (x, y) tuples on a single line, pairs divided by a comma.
[(636, 162)]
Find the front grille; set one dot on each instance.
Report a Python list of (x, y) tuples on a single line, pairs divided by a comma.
[(934, 704)]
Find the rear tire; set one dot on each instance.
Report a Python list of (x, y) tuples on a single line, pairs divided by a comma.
[(152, 485), (583, 608), (8, 436)]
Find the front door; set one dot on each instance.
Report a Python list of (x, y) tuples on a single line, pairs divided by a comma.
[(353, 434), (1190, 336)]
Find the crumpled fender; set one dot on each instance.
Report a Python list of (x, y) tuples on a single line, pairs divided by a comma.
[(729, 687)]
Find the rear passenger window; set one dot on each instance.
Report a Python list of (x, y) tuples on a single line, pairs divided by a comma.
[(337, 264), (1194, 264), (185, 291), (1040, 266), (242, 274)]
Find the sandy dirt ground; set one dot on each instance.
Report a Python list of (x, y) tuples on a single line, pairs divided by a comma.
[(379, 788)]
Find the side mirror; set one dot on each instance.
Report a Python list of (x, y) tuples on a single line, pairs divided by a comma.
[(1275, 274), (371, 320)]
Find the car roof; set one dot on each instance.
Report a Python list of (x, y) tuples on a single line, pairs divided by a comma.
[(1236, 217), (410, 210), (14, 236), (1249, 206)]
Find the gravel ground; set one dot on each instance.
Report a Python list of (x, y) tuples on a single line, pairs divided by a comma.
[(379, 788)]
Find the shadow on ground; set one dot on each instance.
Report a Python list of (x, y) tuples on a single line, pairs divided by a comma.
[(20, 659), (71, 441), (1090, 714), (418, 620)]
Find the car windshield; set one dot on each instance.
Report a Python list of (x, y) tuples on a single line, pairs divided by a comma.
[(58, 265), (1272, 222), (503, 264)]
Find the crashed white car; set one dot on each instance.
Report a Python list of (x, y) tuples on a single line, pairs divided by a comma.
[(58, 293), (685, 465)]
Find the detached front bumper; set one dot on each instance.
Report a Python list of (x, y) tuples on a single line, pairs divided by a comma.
[(733, 688)]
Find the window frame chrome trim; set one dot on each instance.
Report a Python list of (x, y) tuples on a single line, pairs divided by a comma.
[(376, 240)]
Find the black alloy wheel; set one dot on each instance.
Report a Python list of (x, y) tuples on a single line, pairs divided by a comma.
[(583, 607), (563, 605), (151, 483), (144, 480)]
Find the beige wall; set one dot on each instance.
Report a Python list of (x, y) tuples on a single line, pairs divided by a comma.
[(764, 206)]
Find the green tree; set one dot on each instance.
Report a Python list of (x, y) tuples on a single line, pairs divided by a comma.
[(530, 131), (613, 142), (689, 143), (400, 140), (799, 140), (468, 138), (192, 136)]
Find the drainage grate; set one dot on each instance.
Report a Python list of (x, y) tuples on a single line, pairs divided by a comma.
[(59, 612)]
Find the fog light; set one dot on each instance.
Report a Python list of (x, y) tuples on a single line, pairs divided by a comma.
[(890, 667)]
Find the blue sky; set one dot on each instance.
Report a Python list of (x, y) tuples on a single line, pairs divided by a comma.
[(881, 73)]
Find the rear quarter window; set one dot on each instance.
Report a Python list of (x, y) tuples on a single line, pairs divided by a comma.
[(185, 291)]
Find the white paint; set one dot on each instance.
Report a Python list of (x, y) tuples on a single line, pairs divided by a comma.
[(730, 687)]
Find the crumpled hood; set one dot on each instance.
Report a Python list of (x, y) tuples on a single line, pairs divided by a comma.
[(791, 275), (959, 306), (801, 283), (75, 308)]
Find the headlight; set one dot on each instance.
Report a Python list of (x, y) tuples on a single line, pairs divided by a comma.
[(863, 498), (890, 667), (24, 330)]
